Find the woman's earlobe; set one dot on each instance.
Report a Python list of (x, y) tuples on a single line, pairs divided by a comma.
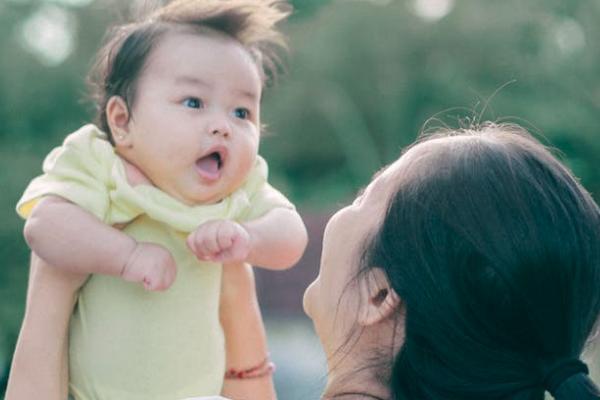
[(117, 117), (378, 299)]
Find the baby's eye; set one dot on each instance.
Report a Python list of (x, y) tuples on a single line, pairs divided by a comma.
[(241, 113), (193, 102)]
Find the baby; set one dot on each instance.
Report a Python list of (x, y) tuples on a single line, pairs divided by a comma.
[(165, 192)]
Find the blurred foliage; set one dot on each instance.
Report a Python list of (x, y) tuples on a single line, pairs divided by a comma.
[(364, 77)]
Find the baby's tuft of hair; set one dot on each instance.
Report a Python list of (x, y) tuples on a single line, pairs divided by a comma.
[(253, 23)]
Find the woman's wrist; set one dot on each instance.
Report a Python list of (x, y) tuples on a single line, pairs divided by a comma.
[(264, 368)]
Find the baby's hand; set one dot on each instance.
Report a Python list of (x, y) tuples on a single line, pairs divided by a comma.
[(151, 265), (220, 241)]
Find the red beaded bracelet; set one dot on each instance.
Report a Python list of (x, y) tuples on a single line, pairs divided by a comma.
[(265, 368)]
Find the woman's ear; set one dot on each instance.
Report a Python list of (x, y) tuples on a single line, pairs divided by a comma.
[(378, 298), (117, 116)]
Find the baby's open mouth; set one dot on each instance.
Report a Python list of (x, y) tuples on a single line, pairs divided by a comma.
[(210, 166)]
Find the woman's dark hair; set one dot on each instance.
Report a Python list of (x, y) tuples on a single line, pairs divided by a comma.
[(494, 248), (121, 60)]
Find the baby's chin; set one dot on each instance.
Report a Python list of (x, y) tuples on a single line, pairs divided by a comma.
[(214, 192)]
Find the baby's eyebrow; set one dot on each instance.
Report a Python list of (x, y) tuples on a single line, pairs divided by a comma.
[(190, 80), (248, 95)]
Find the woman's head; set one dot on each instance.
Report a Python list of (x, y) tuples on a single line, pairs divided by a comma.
[(333, 299), (494, 251)]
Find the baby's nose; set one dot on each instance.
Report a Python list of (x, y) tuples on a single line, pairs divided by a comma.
[(222, 132), (219, 126)]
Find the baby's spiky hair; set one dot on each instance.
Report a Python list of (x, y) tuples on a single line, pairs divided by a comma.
[(250, 22)]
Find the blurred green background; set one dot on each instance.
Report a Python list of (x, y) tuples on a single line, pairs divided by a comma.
[(364, 77)]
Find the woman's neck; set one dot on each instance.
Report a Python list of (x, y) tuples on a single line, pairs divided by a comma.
[(352, 379), (362, 371)]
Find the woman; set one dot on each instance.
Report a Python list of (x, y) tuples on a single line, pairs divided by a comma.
[(468, 269)]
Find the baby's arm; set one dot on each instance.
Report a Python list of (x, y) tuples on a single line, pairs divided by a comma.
[(275, 240), (245, 338), (67, 236), (39, 368)]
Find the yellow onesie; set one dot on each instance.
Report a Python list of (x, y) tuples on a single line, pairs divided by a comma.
[(127, 343)]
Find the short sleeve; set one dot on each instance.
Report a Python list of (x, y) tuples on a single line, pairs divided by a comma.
[(265, 199), (78, 171), (262, 197)]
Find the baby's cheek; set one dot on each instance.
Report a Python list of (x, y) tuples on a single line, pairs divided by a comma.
[(242, 170)]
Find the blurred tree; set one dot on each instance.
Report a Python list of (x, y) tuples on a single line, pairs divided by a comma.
[(365, 76)]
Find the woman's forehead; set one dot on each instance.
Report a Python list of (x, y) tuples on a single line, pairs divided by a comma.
[(420, 156), (392, 173)]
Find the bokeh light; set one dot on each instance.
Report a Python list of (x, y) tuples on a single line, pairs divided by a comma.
[(49, 34), (569, 36), (433, 10)]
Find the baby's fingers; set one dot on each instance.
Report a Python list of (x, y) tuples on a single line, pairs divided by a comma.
[(163, 273), (194, 243), (236, 253), (156, 284), (159, 284), (226, 236), (148, 285), (191, 242), (208, 241)]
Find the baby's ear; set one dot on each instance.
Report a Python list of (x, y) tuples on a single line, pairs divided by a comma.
[(378, 298), (117, 116)]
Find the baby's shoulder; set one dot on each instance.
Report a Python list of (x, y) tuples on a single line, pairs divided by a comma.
[(89, 139)]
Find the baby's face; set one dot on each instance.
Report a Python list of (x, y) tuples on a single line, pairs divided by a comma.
[(194, 126)]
